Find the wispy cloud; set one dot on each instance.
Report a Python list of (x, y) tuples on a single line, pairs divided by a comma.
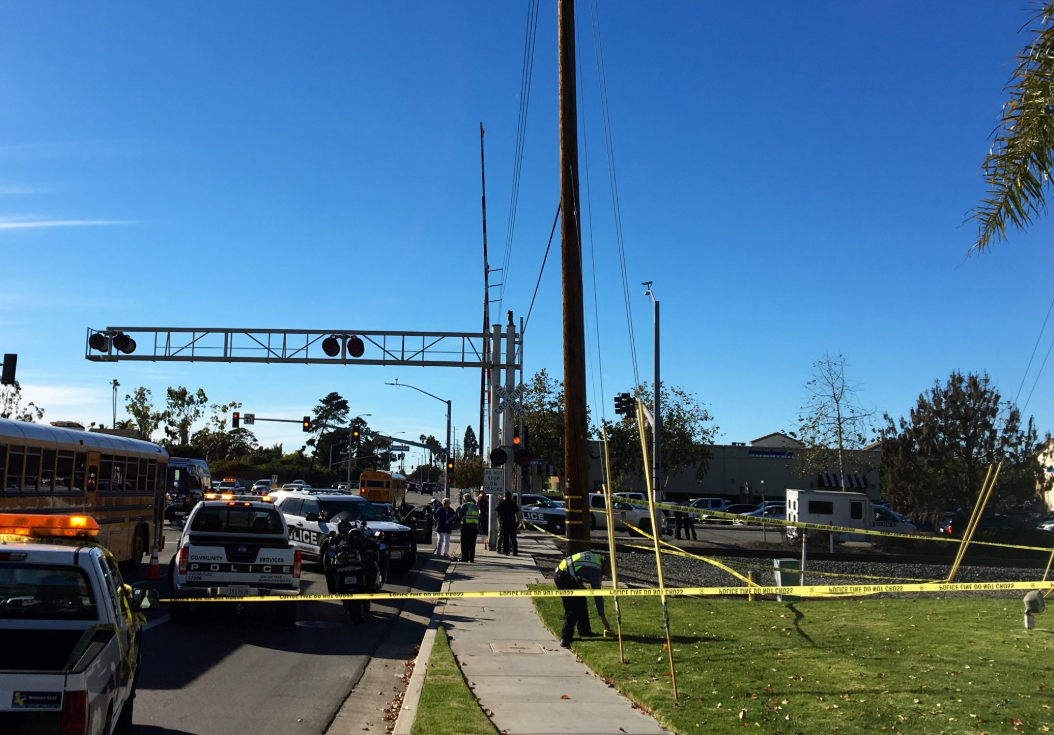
[(15, 223), (7, 190)]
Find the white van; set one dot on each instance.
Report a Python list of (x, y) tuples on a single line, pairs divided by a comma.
[(837, 508)]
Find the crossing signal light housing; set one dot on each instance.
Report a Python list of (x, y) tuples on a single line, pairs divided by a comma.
[(623, 404), (498, 457), (236, 420), (8, 376), (307, 423), (522, 457), (516, 436)]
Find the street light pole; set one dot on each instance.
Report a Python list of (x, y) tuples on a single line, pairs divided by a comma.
[(657, 422), (397, 384)]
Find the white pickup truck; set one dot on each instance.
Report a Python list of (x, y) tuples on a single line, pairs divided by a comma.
[(70, 629), (235, 548)]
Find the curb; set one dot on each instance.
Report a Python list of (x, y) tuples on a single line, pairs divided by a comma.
[(404, 723)]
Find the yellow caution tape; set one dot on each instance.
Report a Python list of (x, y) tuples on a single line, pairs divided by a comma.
[(808, 591), (822, 527)]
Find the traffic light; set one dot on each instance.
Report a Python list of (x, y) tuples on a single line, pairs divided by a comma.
[(516, 436), (8, 377), (521, 451), (355, 437), (307, 423), (236, 420), (623, 404), (450, 469)]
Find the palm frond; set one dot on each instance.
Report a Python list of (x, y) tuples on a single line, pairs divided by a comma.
[(1018, 167)]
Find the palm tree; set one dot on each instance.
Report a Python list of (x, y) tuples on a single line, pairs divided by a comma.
[(1018, 166)]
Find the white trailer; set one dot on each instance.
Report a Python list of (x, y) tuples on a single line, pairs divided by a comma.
[(829, 508)]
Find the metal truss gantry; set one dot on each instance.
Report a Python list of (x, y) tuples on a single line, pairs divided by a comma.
[(293, 346)]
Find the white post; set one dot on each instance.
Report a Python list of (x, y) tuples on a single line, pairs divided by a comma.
[(507, 419), (493, 378)]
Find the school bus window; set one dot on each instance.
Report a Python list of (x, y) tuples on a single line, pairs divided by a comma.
[(80, 463), (105, 472), (118, 483), (151, 474), (64, 472), (131, 475), (141, 477), (31, 477), (16, 459), (47, 471)]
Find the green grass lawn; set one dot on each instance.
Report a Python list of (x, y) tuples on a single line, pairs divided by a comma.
[(897, 666), (447, 705)]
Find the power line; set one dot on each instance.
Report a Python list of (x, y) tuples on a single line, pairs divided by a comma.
[(526, 75), (542, 269), (1030, 359), (1036, 381), (598, 52)]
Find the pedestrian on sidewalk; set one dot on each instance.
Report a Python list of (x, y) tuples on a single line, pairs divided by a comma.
[(484, 520), (689, 526), (508, 519), (469, 515), (444, 519), (574, 573)]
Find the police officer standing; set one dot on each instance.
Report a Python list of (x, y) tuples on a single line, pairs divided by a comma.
[(508, 519), (574, 573), (469, 515)]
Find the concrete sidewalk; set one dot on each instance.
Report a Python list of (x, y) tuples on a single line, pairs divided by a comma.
[(516, 666)]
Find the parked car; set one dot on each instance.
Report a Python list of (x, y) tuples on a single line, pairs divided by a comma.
[(778, 513), (262, 487), (737, 509), (527, 499), (718, 504)]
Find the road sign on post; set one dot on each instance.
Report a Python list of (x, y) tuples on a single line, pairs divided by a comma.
[(493, 480), (249, 418)]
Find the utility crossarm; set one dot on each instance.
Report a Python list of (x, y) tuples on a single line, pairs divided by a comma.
[(290, 346)]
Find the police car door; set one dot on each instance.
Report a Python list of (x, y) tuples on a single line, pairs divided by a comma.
[(290, 508), (125, 633), (310, 529)]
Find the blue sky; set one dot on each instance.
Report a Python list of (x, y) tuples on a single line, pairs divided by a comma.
[(793, 177)]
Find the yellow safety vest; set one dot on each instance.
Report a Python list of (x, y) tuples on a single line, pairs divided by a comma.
[(581, 560), (471, 514)]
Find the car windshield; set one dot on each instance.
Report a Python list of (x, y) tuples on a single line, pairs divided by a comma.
[(349, 510), (237, 519), (45, 592)]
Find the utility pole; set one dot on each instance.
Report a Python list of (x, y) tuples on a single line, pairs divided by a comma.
[(576, 449), (486, 294)]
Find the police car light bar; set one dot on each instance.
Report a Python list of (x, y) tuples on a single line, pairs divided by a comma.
[(41, 526)]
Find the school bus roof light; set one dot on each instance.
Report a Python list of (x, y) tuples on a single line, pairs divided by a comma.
[(40, 526)]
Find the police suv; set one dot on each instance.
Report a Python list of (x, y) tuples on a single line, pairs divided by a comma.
[(235, 547), (554, 519), (313, 517), (70, 629)]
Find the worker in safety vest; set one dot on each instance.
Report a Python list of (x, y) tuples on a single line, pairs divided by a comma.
[(574, 573), (468, 512)]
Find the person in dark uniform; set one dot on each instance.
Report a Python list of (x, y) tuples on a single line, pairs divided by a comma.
[(574, 573), (508, 518), (481, 503), (689, 526)]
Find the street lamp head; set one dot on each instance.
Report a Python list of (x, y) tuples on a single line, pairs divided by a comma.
[(647, 285)]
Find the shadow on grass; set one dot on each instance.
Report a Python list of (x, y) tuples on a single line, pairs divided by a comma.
[(798, 617)]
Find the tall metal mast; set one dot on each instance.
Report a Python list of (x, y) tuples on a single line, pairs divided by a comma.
[(486, 295)]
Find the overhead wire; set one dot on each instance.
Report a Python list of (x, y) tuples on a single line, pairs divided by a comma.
[(541, 270), (598, 52), (526, 76), (1034, 348), (1038, 374)]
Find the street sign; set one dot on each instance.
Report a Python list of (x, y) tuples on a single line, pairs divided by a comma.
[(249, 418), (400, 448), (493, 480), (274, 479)]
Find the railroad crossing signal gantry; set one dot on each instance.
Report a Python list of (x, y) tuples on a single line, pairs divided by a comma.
[(293, 346)]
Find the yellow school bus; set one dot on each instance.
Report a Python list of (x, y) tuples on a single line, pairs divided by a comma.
[(378, 486)]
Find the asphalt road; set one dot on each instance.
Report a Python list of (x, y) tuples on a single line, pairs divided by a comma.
[(231, 671)]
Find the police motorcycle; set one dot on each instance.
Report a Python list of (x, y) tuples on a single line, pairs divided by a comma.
[(355, 564)]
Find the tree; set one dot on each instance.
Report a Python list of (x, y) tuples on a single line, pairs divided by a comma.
[(468, 472), (216, 442), (330, 412), (141, 408), (543, 406), (687, 435), (832, 420), (1019, 164), (11, 405), (937, 459), (470, 445), (182, 411)]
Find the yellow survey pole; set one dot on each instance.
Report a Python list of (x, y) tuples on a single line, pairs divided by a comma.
[(611, 541), (975, 518), (655, 530)]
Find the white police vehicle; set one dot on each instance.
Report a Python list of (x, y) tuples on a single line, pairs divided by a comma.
[(313, 516), (70, 629), (553, 519)]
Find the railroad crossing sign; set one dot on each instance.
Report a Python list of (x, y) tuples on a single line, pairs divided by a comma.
[(510, 399), (249, 418)]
